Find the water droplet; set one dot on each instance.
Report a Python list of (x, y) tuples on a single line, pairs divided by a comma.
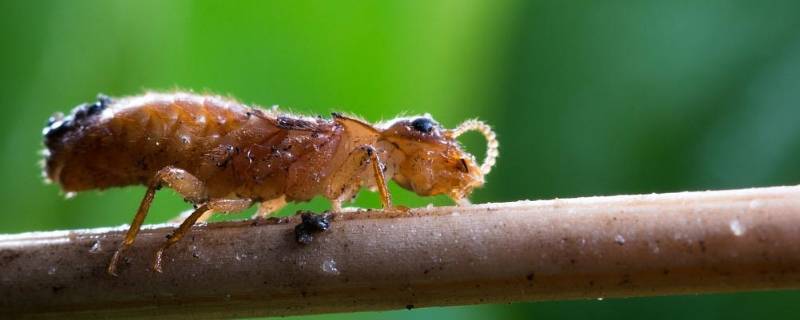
[(329, 266), (619, 239), (52, 270), (95, 247), (600, 299), (736, 227)]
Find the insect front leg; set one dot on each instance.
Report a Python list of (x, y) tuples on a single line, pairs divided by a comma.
[(213, 206), (380, 179), (347, 179), (187, 185)]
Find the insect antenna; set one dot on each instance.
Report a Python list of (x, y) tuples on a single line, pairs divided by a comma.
[(491, 141)]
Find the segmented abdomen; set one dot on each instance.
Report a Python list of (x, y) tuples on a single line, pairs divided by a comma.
[(117, 143), (236, 150)]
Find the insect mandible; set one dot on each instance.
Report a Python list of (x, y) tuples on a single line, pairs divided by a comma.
[(223, 156)]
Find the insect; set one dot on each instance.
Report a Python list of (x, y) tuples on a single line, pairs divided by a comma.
[(223, 156)]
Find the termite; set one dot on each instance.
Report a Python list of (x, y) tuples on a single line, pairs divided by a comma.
[(223, 156)]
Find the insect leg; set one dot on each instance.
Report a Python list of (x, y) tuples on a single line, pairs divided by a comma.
[(184, 183), (380, 179), (346, 180), (336, 205), (181, 181), (130, 236), (218, 205), (462, 201), (185, 214), (268, 207)]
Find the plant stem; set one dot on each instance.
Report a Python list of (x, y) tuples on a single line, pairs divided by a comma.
[(642, 245)]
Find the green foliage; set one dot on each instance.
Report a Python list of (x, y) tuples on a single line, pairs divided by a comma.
[(588, 98)]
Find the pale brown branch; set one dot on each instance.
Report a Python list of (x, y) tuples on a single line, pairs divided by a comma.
[(493, 253)]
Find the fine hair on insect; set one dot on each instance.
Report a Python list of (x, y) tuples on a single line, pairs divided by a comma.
[(223, 156)]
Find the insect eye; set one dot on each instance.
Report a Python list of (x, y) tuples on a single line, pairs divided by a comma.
[(423, 125)]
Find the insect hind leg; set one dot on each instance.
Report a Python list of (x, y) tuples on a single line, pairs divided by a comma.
[(133, 230), (218, 205), (183, 182)]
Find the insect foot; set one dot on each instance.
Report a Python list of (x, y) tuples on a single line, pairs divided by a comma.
[(311, 224)]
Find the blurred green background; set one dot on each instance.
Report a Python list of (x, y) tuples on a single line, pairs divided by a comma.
[(588, 98)]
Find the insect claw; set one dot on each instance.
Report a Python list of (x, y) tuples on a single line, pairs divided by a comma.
[(112, 271), (112, 266)]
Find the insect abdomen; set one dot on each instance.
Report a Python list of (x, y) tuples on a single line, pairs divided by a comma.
[(125, 142), (235, 150), (62, 131)]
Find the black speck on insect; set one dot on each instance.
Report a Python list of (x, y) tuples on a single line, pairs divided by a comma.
[(58, 125), (53, 119), (423, 125), (102, 102)]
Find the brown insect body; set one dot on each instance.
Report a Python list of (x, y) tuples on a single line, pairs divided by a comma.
[(223, 156)]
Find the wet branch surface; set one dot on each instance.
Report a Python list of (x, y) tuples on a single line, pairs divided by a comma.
[(642, 245)]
